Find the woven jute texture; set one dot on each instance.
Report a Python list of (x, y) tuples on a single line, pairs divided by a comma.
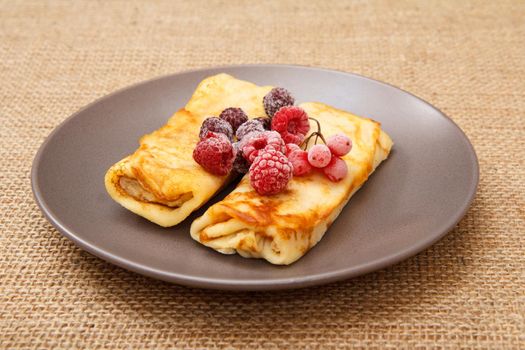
[(467, 58)]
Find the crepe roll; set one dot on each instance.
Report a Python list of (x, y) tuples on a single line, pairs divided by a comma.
[(160, 181), (281, 228)]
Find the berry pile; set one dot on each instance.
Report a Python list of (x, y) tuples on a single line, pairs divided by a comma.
[(269, 148)]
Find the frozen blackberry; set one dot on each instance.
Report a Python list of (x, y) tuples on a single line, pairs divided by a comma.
[(234, 116), (248, 127), (217, 125), (240, 164), (275, 99), (266, 122)]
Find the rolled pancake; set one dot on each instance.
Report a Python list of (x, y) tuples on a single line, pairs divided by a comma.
[(283, 227), (161, 181)]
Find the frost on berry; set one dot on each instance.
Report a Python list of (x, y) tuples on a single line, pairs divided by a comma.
[(290, 147), (240, 164), (291, 123), (248, 127), (216, 125), (275, 99), (299, 160), (214, 153), (261, 140), (270, 172), (319, 156), (339, 144), (336, 170), (265, 121), (234, 116)]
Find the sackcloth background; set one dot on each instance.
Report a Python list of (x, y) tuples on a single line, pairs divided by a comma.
[(465, 57)]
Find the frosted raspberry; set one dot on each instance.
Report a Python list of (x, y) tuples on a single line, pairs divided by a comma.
[(248, 127), (214, 153), (234, 116), (292, 123), (319, 156), (247, 138), (275, 99), (299, 160), (217, 125), (240, 164), (265, 121), (259, 141), (290, 147), (270, 172), (339, 144), (336, 170)]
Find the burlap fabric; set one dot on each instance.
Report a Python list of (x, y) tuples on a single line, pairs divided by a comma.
[(467, 58)]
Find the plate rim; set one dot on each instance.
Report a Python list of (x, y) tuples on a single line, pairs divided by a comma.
[(248, 284)]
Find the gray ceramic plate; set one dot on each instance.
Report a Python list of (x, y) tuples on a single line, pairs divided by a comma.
[(411, 201)]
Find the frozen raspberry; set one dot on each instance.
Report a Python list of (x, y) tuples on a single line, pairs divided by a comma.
[(266, 122), (248, 127), (246, 138), (216, 125), (275, 99), (319, 156), (240, 164), (260, 141), (299, 160), (339, 144), (336, 170), (290, 147), (270, 172), (234, 116), (292, 123), (214, 153)]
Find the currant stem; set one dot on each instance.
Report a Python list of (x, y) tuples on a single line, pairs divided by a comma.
[(304, 144), (307, 141), (322, 138), (317, 135), (317, 122)]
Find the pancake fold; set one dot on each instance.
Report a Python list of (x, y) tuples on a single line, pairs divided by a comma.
[(160, 180)]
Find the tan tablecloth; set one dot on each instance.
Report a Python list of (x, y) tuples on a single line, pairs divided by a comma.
[(468, 59)]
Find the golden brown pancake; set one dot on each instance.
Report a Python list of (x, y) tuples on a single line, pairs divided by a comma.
[(161, 181), (283, 227)]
